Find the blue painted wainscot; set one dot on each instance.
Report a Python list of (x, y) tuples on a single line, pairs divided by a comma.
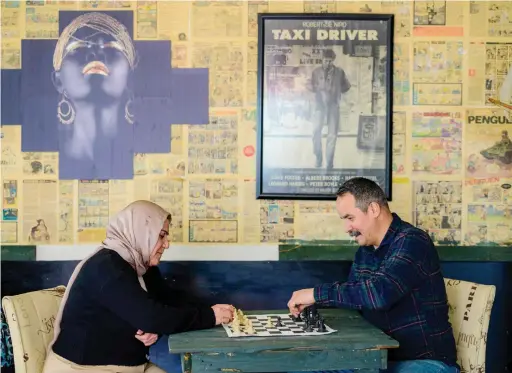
[(268, 285)]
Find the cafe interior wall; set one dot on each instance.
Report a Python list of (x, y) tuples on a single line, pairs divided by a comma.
[(465, 51)]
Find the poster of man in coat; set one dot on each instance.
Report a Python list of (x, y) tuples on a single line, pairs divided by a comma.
[(325, 103)]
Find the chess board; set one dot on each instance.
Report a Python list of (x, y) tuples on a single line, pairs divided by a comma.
[(289, 327)]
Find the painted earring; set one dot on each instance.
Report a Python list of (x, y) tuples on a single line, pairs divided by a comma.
[(128, 116), (65, 110)]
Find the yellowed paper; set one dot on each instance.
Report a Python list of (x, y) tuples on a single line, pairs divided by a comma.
[(266, 221), (490, 18), (217, 19), (487, 142), (498, 73), (11, 53), (402, 10), (489, 211), (10, 211), (120, 195), (437, 143), (319, 6), (213, 231), (106, 4), (250, 212), (10, 145), (254, 7), (39, 218), (319, 221), (430, 61), (399, 142), (9, 232), (402, 198), (180, 55), (225, 67), (66, 212), (147, 19), (174, 20), (213, 200), (437, 209), (213, 148), (286, 6), (401, 75), (475, 81), (93, 210), (247, 148), (41, 21), (40, 163), (11, 20)]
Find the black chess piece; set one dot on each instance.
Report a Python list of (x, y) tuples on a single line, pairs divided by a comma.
[(320, 325), (304, 315), (278, 321), (312, 314), (309, 327)]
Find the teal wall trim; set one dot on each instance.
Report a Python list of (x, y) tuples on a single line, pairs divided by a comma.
[(344, 250), (18, 253)]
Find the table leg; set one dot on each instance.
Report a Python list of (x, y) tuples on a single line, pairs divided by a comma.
[(186, 363)]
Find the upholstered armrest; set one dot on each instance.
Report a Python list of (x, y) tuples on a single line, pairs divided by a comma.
[(30, 317), (470, 311)]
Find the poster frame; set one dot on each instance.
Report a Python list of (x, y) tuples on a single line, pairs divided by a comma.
[(260, 110)]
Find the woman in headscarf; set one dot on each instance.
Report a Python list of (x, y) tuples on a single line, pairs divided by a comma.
[(117, 303)]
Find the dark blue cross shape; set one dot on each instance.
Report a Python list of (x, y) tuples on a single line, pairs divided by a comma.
[(162, 95)]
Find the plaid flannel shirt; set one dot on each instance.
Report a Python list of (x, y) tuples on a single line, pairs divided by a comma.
[(399, 288)]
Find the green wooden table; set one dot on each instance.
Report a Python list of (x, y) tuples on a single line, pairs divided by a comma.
[(356, 345)]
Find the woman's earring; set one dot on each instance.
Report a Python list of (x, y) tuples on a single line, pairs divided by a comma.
[(65, 110), (128, 116)]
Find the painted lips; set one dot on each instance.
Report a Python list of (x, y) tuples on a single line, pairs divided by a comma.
[(95, 67)]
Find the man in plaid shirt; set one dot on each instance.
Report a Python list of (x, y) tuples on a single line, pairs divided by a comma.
[(395, 282)]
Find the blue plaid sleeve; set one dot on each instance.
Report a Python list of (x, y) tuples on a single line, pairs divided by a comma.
[(396, 276)]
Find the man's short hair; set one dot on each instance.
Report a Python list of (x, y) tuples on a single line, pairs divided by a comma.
[(365, 191)]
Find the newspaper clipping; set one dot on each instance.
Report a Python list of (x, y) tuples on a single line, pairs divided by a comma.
[(325, 114)]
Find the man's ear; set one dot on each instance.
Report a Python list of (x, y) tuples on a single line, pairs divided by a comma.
[(57, 82), (374, 208)]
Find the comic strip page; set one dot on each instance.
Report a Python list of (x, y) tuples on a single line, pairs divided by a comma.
[(437, 143), (489, 210), (438, 210), (213, 210)]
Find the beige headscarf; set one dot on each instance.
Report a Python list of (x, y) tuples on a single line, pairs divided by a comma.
[(133, 234)]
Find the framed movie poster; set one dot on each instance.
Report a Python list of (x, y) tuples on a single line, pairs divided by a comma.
[(324, 103)]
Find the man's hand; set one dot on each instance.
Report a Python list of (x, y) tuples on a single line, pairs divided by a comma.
[(300, 299), (147, 338), (223, 313)]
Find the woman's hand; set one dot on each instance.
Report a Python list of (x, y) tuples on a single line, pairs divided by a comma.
[(147, 338), (223, 313)]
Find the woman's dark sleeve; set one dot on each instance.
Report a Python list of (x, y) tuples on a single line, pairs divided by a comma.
[(158, 287), (124, 296)]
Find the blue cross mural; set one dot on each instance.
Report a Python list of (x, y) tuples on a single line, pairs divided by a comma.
[(97, 97)]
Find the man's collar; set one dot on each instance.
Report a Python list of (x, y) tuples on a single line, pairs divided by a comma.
[(393, 228)]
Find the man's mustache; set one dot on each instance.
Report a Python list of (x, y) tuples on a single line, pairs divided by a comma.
[(354, 233)]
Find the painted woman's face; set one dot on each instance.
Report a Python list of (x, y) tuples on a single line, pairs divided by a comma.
[(93, 67)]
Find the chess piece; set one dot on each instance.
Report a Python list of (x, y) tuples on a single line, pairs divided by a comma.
[(269, 323), (304, 315), (320, 326), (312, 314), (249, 328), (279, 322)]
